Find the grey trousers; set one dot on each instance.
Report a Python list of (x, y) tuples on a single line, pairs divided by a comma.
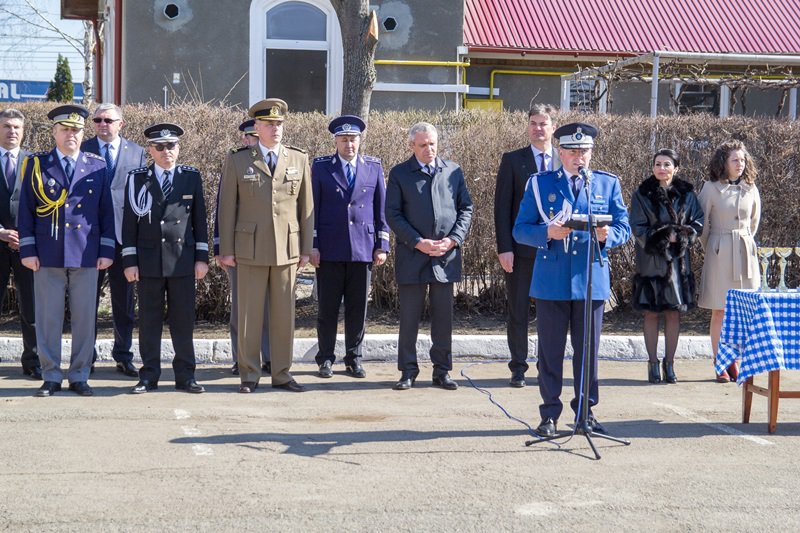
[(51, 286), (234, 323)]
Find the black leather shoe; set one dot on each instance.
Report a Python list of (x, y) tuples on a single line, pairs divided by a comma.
[(291, 386), (34, 373), (669, 371), (190, 386), (91, 370), (267, 368), (235, 369), (355, 370), (128, 369), (596, 426), (143, 386), (444, 382), (326, 370), (517, 379), (407, 380), (653, 372), (48, 388), (82, 388), (547, 428), (247, 387)]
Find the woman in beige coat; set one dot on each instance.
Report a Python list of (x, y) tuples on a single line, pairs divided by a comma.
[(732, 209)]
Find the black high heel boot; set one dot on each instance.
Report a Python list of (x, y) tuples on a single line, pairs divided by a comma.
[(669, 372), (653, 372)]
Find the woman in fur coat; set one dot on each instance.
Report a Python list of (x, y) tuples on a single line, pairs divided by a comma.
[(666, 218)]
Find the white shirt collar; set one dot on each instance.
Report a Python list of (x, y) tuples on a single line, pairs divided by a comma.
[(62, 155), (353, 163), (114, 144), (265, 150), (537, 156), (14, 152), (432, 163), (160, 173)]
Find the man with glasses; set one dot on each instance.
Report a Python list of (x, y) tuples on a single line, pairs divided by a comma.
[(12, 130), (266, 226), (165, 249), (121, 156), (66, 234)]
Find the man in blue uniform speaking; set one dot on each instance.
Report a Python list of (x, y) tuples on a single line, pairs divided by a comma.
[(66, 230), (559, 275), (350, 235)]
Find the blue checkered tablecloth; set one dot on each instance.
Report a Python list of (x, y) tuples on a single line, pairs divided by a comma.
[(762, 330)]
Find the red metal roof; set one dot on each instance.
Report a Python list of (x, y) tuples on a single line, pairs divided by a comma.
[(633, 26)]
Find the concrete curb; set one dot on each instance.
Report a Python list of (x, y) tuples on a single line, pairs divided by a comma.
[(383, 347)]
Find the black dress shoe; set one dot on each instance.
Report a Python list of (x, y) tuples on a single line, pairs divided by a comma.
[(48, 388), (128, 369), (326, 370), (190, 386), (669, 371), (517, 379), (291, 386), (81, 387), (547, 428), (143, 386), (34, 373), (596, 426), (407, 380), (91, 369), (266, 368), (235, 369), (247, 387), (355, 370), (444, 382)]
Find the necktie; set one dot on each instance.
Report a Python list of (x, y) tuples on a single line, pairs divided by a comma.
[(109, 161), (576, 185), (68, 167), (166, 184), (10, 171), (271, 162), (429, 170), (543, 167), (351, 178)]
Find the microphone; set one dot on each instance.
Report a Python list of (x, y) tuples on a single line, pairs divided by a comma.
[(585, 173)]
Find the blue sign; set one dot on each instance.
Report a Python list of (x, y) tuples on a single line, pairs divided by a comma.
[(30, 91)]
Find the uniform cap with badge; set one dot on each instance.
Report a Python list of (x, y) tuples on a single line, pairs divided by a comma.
[(347, 125), (268, 109), (72, 116), (576, 135), (248, 127), (163, 133)]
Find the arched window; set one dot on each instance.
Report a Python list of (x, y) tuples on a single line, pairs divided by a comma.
[(296, 54)]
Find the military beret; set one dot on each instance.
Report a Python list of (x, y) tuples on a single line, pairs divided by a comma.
[(163, 133), (269, 109), (347, 125), (576, 135), (73, 116)]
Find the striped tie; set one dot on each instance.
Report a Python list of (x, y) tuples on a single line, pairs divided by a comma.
[(166, 185), (109, 161)]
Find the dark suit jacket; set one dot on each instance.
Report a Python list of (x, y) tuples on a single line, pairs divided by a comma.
[(420, 207), (9, 200), (130, 156), (169, 241), (515, 169)]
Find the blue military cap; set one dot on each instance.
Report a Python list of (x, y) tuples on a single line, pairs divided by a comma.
[(576, 135), (347, 125), (163, 133), (248, 127), (73, 116)]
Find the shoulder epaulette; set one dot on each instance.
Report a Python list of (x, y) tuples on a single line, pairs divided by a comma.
[(189, 168), (604, 173), (323, 158), (39, 154), (239, 149), (296, 149), (93, 156), (137, 170), (371, 159)]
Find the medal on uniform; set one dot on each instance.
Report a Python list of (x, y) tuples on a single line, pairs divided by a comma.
[(551, 197), (51, 182), (250, 175)]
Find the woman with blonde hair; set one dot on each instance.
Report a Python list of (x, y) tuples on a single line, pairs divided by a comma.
[(732, 207)]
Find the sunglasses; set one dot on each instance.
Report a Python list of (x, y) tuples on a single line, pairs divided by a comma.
[(106, 120), (165, 146)]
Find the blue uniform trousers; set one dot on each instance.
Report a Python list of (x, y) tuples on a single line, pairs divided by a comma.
[(337, 280)]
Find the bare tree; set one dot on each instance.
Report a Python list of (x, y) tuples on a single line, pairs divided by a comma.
[(359, 40), (35, 19)]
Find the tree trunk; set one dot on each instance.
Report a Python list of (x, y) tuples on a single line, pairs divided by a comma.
[(359, 40), (88, 62)]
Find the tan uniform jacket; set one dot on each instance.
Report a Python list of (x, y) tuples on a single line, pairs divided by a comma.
[(266, 220)]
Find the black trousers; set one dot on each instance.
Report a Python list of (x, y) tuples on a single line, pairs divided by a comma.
[(336, 280), (412, 304), (518, 304), (23, 281), (122, 308), (553, 319), (179, 293)]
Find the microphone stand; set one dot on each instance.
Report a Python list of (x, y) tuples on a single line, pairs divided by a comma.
[(583, 425)]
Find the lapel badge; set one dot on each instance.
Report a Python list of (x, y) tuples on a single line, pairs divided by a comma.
[(250, 170), (551, 197), (254, 153), (51, 182)]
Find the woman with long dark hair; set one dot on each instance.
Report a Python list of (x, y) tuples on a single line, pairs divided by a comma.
[(666, 218), (732, 205)]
